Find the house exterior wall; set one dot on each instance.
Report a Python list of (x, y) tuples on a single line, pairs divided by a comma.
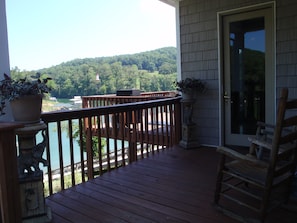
[(199, 55)]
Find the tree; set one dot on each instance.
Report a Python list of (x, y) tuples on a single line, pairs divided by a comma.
[(95, 141), (144, 71)]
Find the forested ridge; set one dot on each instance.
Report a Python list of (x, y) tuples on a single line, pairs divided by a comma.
[(148, 71)]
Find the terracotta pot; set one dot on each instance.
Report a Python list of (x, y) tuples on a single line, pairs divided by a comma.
[(27, 109)]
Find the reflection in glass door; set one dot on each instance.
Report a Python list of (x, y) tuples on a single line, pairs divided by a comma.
[(245, 75)]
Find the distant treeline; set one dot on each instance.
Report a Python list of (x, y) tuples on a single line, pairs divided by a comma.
[(148, 71)]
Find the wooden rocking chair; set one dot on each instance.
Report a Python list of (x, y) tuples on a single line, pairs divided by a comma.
[(250, 185)]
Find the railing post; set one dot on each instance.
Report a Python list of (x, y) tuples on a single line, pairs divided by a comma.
[(89, 150), (9, 185), (178, 122), (132, 146), (132, 153)]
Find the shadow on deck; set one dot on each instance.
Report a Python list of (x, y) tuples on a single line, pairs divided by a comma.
[(174, 185)]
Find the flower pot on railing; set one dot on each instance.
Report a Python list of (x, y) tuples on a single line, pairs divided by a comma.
[(188, 95), (189, 86), (27, 109), (25, 97)]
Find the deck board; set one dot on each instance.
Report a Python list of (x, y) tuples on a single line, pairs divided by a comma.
[(174, 185)]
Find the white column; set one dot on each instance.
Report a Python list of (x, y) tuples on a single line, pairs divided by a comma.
[(175, 4), (4, 54), (177, 21)]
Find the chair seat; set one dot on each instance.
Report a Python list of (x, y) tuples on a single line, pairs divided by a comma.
[(254, 173), (248, 171)]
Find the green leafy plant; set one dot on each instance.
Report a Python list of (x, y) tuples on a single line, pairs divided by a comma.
[(13, 89), (83, 141), (189, 84)]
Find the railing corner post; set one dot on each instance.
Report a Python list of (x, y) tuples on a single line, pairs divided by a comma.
[(9, 185)]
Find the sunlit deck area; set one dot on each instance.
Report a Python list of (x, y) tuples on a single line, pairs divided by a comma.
[(174, 185), (132, 179)]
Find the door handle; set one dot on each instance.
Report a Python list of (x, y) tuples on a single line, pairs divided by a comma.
[(226, 95)]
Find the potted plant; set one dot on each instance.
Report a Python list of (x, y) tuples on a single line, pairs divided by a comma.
[(189, 86), (25, 97)]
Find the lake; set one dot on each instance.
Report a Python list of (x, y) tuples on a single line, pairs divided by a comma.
[(53, 140), (54, 148)]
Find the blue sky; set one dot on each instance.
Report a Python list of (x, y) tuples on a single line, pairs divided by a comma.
[(48, 32)]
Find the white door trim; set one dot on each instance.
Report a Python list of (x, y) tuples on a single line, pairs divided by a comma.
[(220, 16)]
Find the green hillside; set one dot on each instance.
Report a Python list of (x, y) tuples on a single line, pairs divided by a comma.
[(148, 71)]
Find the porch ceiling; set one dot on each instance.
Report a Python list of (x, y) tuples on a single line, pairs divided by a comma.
[(171, 2)]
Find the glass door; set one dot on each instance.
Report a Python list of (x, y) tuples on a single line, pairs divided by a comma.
[(248, 74)]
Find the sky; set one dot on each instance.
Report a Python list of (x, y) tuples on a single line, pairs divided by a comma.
[(45, 33)]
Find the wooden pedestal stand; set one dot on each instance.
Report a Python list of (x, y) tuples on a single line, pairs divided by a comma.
[(188, 127), (30, 175)]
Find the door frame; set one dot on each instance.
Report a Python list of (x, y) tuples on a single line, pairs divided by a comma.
[(270, 50)]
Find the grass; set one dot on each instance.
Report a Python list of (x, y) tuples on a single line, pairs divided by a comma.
[(48, 105), (56, 183)]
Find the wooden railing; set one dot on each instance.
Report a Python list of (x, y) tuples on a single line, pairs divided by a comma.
[(112, 99), (132, 131), (129, 131)]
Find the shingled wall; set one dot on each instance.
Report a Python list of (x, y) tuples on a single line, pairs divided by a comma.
[(199, 55)]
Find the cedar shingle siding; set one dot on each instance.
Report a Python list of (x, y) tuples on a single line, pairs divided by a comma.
[(199, 54)]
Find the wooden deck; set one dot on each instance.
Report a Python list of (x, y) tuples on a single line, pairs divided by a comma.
[(173, 186)]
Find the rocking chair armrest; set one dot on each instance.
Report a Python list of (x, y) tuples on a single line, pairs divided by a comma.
[(263, 124), (264, 130), (260, 142), (242, 157)]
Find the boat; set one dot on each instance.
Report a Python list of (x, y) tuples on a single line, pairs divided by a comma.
[(76, 100)]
